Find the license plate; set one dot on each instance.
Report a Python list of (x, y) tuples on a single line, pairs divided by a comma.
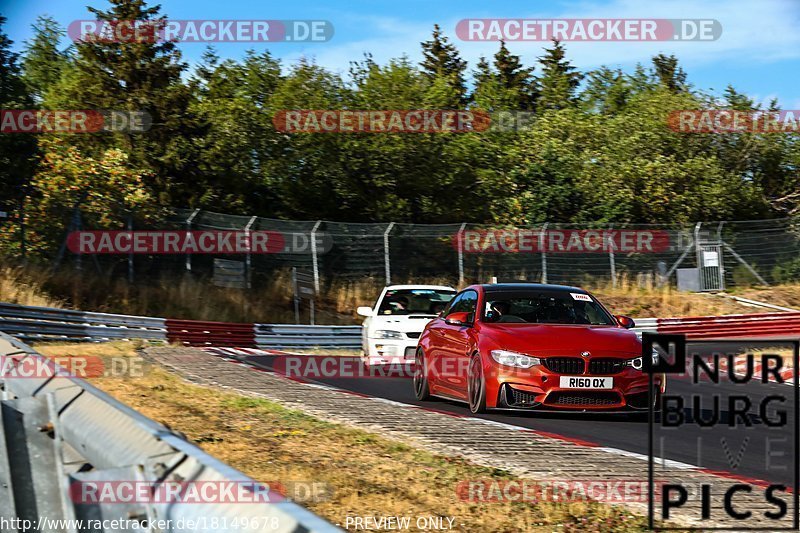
[(578, 382)]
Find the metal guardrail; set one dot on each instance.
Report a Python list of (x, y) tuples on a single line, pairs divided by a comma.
[(46, 323), (59, 431), (50, 324), (287, 336)]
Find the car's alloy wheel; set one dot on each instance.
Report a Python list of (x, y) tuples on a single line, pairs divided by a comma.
[(421, 389), (476, 386)]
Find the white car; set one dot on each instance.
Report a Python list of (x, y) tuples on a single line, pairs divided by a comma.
[(392, 328)]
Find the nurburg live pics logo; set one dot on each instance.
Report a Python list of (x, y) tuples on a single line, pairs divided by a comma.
[(758, 409)]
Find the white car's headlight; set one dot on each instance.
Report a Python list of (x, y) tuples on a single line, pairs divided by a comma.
[(388, 334), (519, 360), (637, 362)]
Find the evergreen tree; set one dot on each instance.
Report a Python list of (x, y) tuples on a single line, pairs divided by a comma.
[(442, 60), (139, 76), (505, 84), (16, 150), (668, 73), (44, 61), (559, 81), (607, 91), (515, 78)]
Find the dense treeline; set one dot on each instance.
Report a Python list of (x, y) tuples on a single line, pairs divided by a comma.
[(599, 148)]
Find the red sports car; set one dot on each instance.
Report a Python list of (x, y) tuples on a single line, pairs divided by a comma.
[(529, 346)]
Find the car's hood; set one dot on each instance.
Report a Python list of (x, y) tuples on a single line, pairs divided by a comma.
[(550, 339), (404, 323)]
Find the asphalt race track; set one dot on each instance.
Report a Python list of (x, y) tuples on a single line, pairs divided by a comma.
[(739, 451)]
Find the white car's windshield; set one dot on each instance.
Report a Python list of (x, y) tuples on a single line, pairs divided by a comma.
[(414, 301)]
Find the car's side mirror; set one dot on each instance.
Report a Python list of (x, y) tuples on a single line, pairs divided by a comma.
[(364, 311), (458, 319), (625, 321)]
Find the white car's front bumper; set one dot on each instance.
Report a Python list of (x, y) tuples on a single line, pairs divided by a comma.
[(388, 351)]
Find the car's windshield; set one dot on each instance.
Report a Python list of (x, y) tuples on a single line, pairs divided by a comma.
[(414, 301), (544, 307)]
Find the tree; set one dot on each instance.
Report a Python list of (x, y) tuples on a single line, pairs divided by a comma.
[(103, 188), (234, 102), (16, 150), (668, 73), (506, 84), (139, 76), (559, 81), (44, 61), (442, 60), (607, 91)]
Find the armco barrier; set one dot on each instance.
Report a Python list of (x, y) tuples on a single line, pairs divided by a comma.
[(60, 431), (44, 323), (287, 336)]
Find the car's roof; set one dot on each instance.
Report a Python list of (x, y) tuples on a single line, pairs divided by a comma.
[(496, 287), (424, 287)]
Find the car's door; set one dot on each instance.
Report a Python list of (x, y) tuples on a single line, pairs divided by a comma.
[(436, 346), (455, 345)]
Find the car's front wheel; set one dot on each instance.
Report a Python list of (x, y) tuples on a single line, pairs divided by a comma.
[(421, 389), (476, 386)]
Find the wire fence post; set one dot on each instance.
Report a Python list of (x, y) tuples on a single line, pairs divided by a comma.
[(461, 254), (295, 296), (130, 254), (543, 246), (189, 228), (386, 260), (78, 227), (247, 258), (314, 258), (611, 259)]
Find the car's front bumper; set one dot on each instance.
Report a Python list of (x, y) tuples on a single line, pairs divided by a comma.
[(541, 390), (390, 351)]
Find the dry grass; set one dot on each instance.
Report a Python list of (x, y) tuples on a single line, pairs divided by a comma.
[(192, 298), (19, 288), (784, 295), (641, 298), (367, 475)]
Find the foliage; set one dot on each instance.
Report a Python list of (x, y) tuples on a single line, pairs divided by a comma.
[(107, 189), (596, 145), (788, 271)]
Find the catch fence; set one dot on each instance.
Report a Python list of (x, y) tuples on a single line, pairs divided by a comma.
[(704, 256)]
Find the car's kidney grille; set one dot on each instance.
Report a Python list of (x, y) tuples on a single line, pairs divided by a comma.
[(606, 366), (413, 334), (564, 365), (583, 398)]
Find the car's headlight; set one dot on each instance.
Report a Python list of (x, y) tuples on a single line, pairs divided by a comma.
[(637, 362), (519, 360), (388, 334)]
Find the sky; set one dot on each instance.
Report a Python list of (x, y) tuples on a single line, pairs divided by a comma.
[(758, 51)]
